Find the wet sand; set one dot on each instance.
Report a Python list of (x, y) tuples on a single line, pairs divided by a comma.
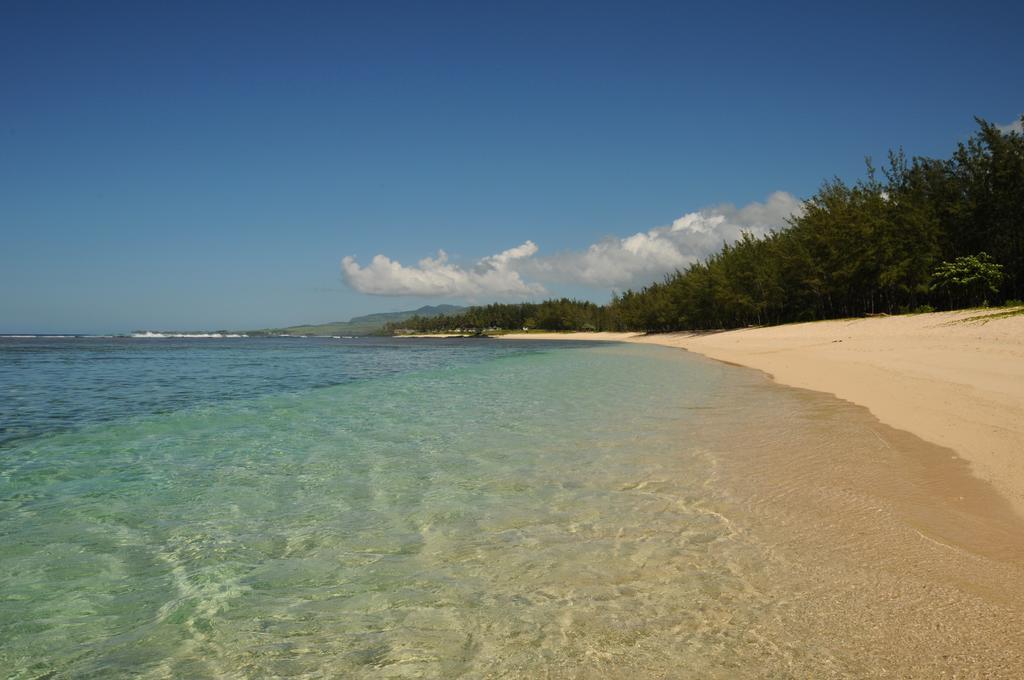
[(952, 378), (888, 558), (889, 519)]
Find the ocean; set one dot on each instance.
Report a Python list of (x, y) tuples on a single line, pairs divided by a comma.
[(277, 507)]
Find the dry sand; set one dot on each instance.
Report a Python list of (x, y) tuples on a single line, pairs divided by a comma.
[(952, 378)]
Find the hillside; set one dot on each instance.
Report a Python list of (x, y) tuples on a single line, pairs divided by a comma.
[(369, 324)]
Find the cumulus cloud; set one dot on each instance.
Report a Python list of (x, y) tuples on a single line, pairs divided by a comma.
[(648, 255), (612, 262), (493, 276), (1015, 126)]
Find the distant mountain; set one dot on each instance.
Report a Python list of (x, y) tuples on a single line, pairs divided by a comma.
[(370, 324)]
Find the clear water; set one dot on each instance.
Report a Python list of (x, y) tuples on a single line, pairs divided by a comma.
[(297, 507), (50, 384), (469, 508)]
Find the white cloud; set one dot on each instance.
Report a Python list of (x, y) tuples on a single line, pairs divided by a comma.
[(648, 255), (1015, 126), (491, 276), (611, 263)]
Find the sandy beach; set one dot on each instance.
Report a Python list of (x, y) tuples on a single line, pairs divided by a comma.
[(955, 379)]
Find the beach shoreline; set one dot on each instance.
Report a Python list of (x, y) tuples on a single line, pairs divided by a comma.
[(955, 379)]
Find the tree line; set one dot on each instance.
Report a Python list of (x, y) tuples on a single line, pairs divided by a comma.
[(923, 234), (553, 315)]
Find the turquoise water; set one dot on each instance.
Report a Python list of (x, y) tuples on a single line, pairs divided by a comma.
[(50, 384), (381, 508), (258, 508)]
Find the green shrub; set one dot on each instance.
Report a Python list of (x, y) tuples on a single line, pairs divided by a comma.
[(967, 281)]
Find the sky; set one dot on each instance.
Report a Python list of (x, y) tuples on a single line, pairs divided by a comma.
[(244, 165)]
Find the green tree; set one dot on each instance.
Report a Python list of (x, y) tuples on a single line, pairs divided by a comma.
[(967, 281)]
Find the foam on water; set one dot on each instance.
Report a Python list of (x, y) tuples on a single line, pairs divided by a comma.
[(162, 335)]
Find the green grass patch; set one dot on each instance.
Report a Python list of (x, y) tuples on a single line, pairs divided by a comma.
[(992, 316)]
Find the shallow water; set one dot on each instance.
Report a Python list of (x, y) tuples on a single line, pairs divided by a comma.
[(469, 508)]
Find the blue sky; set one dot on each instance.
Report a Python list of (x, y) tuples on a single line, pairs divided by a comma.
[(201, 165)]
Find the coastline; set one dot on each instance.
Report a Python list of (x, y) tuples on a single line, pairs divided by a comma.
[(955, 379), (665, 508)]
